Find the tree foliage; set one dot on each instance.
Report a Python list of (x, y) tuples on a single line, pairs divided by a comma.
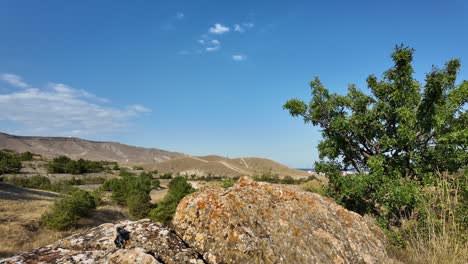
[(68, 210), (397, 136), (178, 189), (133, 191), (10, 161), (402, 129), (64, 164)]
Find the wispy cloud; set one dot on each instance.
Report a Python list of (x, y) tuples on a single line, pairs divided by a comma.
[(239, 57), (219, 29), (209, 44), (214, 48), (14, 80), (180, 15), (241, 28), (59, 109), (172, 21)]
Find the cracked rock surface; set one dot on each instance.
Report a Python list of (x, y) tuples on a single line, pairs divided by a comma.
[(250, 222), (254, 222), (149, 243)]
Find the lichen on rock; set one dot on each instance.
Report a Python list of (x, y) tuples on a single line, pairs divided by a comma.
[(255, 222), (250, 222)]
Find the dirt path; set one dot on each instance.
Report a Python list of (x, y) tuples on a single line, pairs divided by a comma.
[(198, 159), (245, 163), (234, 168)]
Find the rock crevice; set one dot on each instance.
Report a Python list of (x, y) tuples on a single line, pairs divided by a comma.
[(250, 222)]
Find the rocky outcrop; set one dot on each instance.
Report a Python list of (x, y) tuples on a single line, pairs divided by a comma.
[(254, 222), (149, 243), (250, 222)]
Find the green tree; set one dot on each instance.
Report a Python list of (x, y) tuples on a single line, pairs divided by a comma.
[(66, 211), (178, 189), (400, 131)]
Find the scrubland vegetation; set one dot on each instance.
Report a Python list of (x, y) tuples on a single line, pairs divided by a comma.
[(10, 162), (64, 164), (409, 144)]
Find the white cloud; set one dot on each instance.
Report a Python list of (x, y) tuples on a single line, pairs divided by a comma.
[(14, 80), (209, 44), (139, 108), (180, 15), (241, 28), (62, 110), (238, 28), (214, 48), (219, 29), (248, 25), (239, 57)]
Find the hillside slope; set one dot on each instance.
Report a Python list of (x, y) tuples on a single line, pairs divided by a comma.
[(219, 166), (76, 148)]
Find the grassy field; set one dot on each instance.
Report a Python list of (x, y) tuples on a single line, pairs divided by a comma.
[(21, 210)]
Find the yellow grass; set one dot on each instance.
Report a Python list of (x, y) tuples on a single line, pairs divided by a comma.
[(442, 239), (20, 213)]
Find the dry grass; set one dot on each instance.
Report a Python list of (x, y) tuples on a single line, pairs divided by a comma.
[(20, 213), (442, 238)]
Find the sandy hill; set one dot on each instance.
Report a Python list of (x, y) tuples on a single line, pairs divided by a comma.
[(221, 166), (76, 148)]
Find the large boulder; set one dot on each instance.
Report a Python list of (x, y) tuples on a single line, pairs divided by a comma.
[(250, 222), (254, 222), (149, 243)]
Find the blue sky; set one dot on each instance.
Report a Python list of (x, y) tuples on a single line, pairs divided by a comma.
[(204, 77)]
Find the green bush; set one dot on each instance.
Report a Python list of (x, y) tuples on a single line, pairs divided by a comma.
[(9, 162), (66, 211), (166, 176), (41, 183), (178, 189), (64, 164), (227, 183), (133, 191), (139, 205), (34, 182)]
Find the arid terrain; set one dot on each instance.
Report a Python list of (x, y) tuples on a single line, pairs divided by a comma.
[(76, 148), (217, 165)]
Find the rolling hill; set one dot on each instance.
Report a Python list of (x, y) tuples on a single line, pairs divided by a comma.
[(76, 148), (148, 158), (220, 166)]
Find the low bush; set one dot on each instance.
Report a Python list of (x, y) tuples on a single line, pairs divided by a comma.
[(41, 183), (166, 176), (66, 211), (64, 164), (165, 210), (439, 234), (133, 191)]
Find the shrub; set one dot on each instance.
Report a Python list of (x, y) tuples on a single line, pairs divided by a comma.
[(133, 191), (440, 235), (66, 211), (227, 183), (166, 176), (64, 164), (9, 163), (315, 186), (178, 189), (139, 204)]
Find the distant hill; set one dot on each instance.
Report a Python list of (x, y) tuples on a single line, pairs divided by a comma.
[(76, 148), (148, 158), (220, 166)]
